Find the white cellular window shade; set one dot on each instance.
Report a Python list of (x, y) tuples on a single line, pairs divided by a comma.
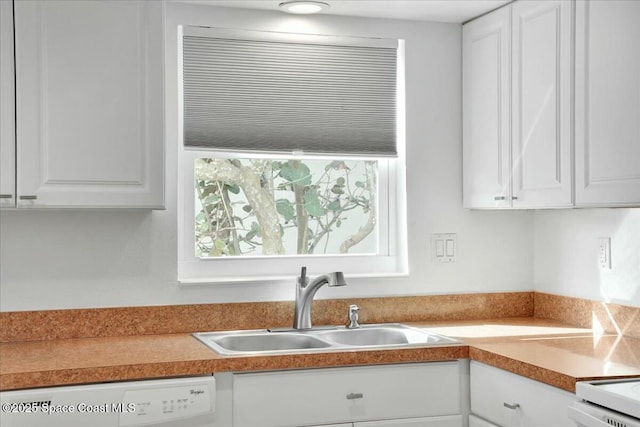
[(276, 92)]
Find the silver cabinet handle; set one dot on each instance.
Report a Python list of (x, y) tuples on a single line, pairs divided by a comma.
[(28, 197), (499, 198), (514, 198), (6, 196), (511, 405), (353, 396)]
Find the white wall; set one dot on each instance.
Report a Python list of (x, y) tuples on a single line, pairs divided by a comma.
[(74, 259), (566, 254)]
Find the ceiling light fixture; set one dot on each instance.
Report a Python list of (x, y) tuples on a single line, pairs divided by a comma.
[(303, 7)]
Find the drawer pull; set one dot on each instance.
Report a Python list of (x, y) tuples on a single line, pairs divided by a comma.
[(28, 197), (6, 196), (499, 198), (353, 396), (511, 405)]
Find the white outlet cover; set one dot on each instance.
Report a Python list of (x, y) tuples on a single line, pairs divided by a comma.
[(604, 253)]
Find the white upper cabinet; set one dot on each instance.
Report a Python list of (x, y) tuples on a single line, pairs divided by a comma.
[(7, 107), (486, 110), (517, 107), (89, 103), (541, 108), (607, 140), (552, 105)]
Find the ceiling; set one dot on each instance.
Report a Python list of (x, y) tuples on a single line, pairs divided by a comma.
[(456, 11)]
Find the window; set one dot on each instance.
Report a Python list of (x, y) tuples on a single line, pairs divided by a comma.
[(292, 155), (263, 207)]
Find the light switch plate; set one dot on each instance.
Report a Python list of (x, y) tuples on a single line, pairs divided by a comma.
[(444, 247)]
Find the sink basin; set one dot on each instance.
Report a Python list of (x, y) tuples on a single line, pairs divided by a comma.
[(384, 335), (336, 338), (259, 342)]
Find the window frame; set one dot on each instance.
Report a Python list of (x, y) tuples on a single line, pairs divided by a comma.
[(390, 261)]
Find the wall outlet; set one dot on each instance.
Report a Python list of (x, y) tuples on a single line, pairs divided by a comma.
[(604, 253)]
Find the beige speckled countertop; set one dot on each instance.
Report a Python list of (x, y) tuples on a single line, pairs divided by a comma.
[(545, 350)]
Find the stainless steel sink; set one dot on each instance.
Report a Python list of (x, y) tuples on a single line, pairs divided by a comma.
[(321, 339), (384, 335), (259, 341)]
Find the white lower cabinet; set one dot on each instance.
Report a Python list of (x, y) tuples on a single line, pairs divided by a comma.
[(414, 422), (510, 400), (479, 422), (406, 395), (450, 421)]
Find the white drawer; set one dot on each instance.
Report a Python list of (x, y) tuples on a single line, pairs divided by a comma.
[(325, 396), (448, 421), (535, 404), (479, 422)]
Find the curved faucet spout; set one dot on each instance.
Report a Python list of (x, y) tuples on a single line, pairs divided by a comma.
[(305, 291)]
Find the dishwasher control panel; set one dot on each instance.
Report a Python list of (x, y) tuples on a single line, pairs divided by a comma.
[(165, 404)]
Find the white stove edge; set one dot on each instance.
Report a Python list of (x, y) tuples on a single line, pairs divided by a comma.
[(623, 397), (589, 415)]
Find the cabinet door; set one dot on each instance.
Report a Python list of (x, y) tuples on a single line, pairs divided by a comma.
[(607, 103), (452, 421), (89, 85), (486, 110), (7, 107), (338, 395), (479, 422), (541, 109), (510, 400)]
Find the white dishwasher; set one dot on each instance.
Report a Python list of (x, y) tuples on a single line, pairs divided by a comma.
[(176, 402)]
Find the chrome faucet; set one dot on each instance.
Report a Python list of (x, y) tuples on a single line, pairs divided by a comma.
[(354, 311), (305, 292)]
